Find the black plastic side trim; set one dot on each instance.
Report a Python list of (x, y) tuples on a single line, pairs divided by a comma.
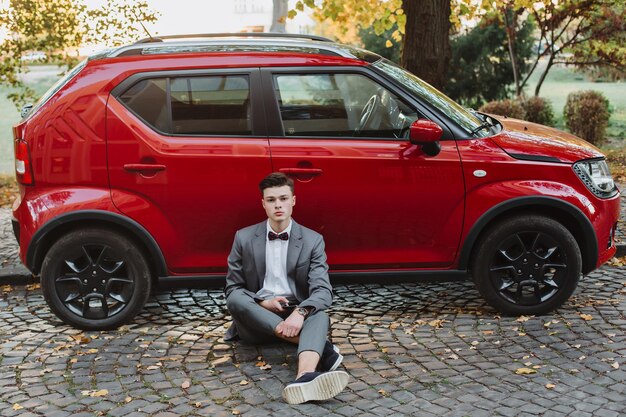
[(374, 277), (590, 243), (33, 254), (538, 158)]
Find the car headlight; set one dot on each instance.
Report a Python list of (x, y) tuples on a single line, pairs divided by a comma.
[(597, 177)]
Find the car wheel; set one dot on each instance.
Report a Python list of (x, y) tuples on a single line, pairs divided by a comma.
[(95, 279), (527, 265)]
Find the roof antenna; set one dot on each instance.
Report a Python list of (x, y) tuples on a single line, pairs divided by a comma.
[(141, 23)]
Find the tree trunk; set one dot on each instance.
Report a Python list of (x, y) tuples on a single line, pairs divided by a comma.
[(544, 74), (426, 51), (279, 16), (510, 24)]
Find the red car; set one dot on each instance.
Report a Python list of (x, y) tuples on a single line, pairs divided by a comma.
[(141, 163)]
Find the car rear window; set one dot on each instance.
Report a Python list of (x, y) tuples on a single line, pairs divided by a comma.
[(199, 105)]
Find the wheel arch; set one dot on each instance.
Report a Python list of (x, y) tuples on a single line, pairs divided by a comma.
[(565, 213), (51, 231)]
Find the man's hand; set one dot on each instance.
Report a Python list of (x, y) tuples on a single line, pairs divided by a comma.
[(291, 326), (274, 304)]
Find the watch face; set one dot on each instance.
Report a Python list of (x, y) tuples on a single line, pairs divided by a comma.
[(303, 311)]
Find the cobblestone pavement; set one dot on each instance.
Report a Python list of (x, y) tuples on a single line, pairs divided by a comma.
[(412, 349), (422, 349)]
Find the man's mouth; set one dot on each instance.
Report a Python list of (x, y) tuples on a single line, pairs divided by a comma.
[(279, 213)]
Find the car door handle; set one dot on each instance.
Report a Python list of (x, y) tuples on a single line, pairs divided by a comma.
[(301, 171), (141, 168)]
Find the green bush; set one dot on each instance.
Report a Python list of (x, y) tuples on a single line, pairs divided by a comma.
[(508, 108), (539, 110), (587, 115)]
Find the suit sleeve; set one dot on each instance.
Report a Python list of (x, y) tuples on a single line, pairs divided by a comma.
[(320, 290), (235, 279)]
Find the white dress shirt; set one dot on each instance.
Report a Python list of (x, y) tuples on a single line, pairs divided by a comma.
[(275, 282)]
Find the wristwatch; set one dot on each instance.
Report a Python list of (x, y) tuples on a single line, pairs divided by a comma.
[(302, 311)]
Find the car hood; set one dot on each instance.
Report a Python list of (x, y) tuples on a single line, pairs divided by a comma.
[(525, 140)]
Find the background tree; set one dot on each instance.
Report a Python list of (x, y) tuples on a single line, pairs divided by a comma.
[(425, 24), (58, 28), (481, 69), (573, 32)]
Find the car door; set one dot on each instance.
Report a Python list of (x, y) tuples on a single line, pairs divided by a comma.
[(186, 150), (379, 201)]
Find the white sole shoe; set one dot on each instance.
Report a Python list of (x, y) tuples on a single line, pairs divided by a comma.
[(324, 387)]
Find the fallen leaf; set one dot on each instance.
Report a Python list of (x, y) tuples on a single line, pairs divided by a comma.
[(265, 367), (550, 386), (394, 326), (615, 365), (73, 360), (260, 363), (186, 384), (581, 358), (522, 319), (437, 323), (525, 371), (488, 332), (16, 406), (128, 399), (221, 360), (152, 367), (92, 351), (474, 342), (82, 339), (244, 382), (383, 392), (586, 317), (236, 412), (95, 393)]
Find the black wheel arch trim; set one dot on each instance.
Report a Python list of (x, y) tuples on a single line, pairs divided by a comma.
[(34, 255), (589, 245)]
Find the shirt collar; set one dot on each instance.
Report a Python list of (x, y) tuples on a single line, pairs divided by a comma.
[(288, 229)]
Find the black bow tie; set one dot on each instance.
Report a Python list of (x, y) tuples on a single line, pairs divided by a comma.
[(281, 236)]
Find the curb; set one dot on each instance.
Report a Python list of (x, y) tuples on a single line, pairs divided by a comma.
[(17, 275)]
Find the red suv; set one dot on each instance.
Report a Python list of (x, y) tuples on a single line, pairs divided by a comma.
[(142, 162)]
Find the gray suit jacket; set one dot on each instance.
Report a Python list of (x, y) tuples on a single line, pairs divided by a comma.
[(307, 270)]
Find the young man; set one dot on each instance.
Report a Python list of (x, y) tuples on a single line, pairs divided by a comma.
[(277, 287)]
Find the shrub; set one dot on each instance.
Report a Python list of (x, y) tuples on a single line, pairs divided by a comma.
[(508, 108), (539, 110), (587, 115)]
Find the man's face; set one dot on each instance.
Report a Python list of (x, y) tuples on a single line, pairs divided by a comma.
[(278, 203)]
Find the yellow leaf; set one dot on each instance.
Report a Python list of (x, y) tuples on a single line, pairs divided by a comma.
[(586, 317), (236, 412), (388, 44), (128, 399), (244, 382), (186, 384), (550, 386), (394, 326), (615, 365), (437, 324), (382, 392), (16, 406), (100, 393), (525, 371), (92, 351), (522, 319), (73, 360)]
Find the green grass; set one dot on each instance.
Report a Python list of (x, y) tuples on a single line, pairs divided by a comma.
[(562, 80)]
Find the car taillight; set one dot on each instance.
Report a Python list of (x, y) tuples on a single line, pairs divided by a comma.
[(23, 165)]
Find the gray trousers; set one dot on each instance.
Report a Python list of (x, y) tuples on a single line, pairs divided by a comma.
[(255, 324)]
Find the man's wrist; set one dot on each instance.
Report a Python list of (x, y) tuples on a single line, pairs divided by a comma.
[(303, 311)]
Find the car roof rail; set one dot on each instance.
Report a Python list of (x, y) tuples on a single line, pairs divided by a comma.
[(237, 34)]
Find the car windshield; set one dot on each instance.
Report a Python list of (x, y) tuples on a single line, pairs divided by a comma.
[(462, 116)]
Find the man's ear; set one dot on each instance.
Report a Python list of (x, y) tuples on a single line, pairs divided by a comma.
[(294, 200)]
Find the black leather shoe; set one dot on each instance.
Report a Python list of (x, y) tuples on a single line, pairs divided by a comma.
[(331, 358)]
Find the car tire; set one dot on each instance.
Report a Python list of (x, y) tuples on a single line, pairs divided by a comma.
[(526, 265), (95, 279)]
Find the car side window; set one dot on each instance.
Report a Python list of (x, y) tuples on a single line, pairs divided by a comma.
[(340, 105), (199, 105)]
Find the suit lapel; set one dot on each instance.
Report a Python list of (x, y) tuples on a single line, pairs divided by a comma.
[(294, 249), (258, 249)]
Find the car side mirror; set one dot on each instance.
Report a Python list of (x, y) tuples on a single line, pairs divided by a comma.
[(426, 134)]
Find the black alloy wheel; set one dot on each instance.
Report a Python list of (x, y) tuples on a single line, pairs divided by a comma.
[(527, 265), (95, 279)]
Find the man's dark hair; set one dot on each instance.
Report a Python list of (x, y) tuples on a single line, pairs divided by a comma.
[(276, 179)]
